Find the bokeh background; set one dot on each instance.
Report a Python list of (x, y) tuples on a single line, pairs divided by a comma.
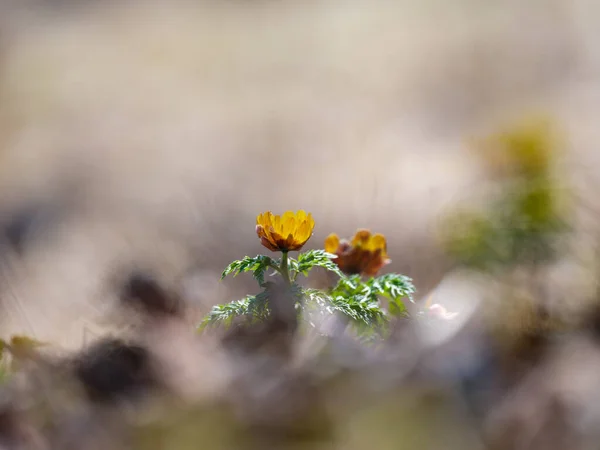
[(152, 133), (165, 127)]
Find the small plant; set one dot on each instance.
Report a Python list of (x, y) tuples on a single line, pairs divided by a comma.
[(356, 295), (523, 224), (523, 227)]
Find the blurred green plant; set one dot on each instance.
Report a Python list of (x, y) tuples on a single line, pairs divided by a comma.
[(356, 296), (523, 224), (520, 230)]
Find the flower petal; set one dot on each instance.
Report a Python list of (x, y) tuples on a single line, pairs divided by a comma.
[(287, 215), (332, 243), (278, 224), (303, 232), (272, 234), (265, 238), (265, 242), (361, 237), (269, 218), (311, 222), (288, 227), (300, 215), (290, 243), (377, 242), (268, 233), (260, 230)]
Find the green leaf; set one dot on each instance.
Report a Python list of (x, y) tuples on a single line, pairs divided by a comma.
[(393, 286), (314, 258), (365, 314), (350, 287), (259, 304), (257, 265), (254, 306)]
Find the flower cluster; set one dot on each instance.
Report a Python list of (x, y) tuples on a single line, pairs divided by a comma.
[(367, 301), (365, 254)]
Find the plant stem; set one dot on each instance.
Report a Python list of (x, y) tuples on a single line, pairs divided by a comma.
[(275, 267), (284, 268)]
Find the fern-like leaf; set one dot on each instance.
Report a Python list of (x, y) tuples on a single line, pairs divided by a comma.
[(315, 258), (258, 265), (254, 306), (395, 288), (362, 312)]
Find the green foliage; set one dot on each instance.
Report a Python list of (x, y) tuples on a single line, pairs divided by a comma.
[(475, 241), (224, 314), (523, 224), (363, 313), (358, 301), (311, 259), (392, 286), (395, 288), (257, 265), (252, 306)]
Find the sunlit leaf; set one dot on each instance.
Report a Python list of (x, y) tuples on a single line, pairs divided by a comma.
[(393, 285), (314, 258), (254, 306), (258, 265), (363, 313)]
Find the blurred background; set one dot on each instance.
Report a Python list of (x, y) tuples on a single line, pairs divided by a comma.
[(151, 133)]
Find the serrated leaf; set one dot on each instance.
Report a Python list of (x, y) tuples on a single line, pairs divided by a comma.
[(258, 265), (252, 306), (259, 304), (315, 258), (365, 315), (348, 286), (393, 286)]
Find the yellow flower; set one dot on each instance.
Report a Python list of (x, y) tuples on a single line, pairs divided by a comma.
[(285, 233), (366, 254)]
